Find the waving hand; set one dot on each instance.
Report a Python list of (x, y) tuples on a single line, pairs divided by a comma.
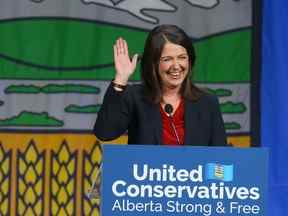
[(123, 65)]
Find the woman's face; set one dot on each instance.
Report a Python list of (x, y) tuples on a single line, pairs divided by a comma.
[(173, 65)]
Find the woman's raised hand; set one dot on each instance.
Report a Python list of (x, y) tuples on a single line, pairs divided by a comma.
[(123, 65)]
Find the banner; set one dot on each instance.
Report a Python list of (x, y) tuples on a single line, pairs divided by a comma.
[(184, 181)]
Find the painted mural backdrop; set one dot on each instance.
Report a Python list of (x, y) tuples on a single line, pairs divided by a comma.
[(56, 61)]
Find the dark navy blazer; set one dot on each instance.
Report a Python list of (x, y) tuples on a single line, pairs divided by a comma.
[(130, 110)]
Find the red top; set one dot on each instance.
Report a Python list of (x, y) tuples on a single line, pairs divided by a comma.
[(168, 136)]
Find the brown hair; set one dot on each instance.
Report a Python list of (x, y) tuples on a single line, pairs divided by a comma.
[(150, 61)]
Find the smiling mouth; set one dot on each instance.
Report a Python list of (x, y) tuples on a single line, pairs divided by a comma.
[(174, 75)]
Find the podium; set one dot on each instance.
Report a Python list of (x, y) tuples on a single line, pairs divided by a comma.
[(169, 181)]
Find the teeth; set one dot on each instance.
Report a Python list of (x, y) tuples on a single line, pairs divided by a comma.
[(174, 73)]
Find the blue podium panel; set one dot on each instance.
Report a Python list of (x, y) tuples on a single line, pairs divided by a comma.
[(170, 181)]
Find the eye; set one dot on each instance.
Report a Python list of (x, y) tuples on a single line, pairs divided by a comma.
[(165, 59), (183, 57)]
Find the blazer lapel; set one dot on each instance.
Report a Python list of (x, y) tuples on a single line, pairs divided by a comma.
[(156, 120), (191, 118)]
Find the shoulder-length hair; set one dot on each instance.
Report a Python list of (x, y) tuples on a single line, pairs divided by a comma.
[(154, 45)]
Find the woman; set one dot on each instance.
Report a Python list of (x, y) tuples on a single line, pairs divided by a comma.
[(166, 71)]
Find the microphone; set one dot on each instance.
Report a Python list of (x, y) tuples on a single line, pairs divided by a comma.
[(168, 108)]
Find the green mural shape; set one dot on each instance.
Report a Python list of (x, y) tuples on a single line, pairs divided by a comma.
[(220, 92), (232, 108), (83, 109), (70, 88), (22, 89), (52, 89), (232, 126), (32, 119)]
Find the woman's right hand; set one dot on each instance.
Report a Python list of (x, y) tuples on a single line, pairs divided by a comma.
[(123, 65)]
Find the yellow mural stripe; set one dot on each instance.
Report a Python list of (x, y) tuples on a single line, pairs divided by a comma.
[(81, 141), (240, 141)]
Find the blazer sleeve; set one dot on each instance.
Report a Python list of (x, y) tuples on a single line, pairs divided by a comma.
[(218, 134), (114, 115)]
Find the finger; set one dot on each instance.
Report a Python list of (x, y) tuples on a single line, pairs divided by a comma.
[(115, 52), (134, 60), (118, 46), (125, 48), (121, 46)]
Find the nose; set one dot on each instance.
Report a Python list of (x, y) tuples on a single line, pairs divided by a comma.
[(176, 64)]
